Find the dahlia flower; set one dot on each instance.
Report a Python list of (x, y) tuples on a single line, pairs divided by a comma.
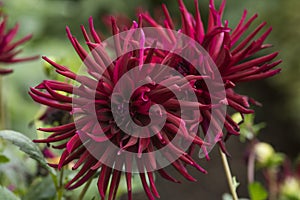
[(8, 50), (232, 50), (105, 136)]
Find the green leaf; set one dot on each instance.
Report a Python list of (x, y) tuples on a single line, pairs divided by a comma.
[(257, 191), (3, 159), (248, 129), (7, 195), (27, 146), (41, 189), (276, 160)]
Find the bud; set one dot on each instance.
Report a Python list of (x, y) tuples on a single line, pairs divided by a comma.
[(290, 189), (263, 152), (266, 155)]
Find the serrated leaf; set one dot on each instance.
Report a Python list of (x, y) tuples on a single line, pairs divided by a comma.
[(257, 191), (7, 195), (3, 159), (27, 146)]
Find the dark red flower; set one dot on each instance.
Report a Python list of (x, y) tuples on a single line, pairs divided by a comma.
[(101, 133), (233, 51), (48, 153), (8, 50), (98, 141)]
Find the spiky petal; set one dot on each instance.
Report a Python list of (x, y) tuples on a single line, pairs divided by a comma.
[(8, 50)]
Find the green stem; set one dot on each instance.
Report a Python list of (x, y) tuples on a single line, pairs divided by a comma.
[(85, 189), (228, 175), (272, 183), (2, 107), (251, 164), (60, 185), (251, 167), (54, 179)]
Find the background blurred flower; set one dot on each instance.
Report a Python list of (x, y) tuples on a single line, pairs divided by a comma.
[(8, 51), (54, 117)]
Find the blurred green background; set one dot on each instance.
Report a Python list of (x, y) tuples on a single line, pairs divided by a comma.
[(280, 95)]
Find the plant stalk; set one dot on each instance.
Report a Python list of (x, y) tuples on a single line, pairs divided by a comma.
[(85, 189), (2, 107), (272, 184), (60, 185), (251, 167), (228, 175)]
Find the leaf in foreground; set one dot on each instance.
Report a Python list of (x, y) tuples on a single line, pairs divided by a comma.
[(257, 191), (26, 145), (7, 194)]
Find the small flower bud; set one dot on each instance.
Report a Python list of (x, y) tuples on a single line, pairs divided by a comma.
[(263, 152)]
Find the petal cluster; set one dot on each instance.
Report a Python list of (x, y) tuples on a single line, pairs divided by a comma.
[(8, 48), (96, 130), (231, 50)]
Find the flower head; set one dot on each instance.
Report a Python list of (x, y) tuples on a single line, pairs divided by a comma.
[(118, 123), (233, 51), (8, 50), (101, 137)]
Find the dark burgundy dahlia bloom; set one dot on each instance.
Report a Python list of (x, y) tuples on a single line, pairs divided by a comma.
[(233, 51), (96, 140), (8, 50)]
